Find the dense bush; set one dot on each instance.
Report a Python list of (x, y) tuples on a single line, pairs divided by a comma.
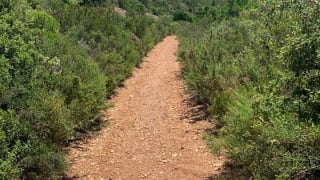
[(59, 60), (132, 6), (258, 71), (181, 15), (36, 99)]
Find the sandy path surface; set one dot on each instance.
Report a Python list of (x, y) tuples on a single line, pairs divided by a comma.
[(147, 138)]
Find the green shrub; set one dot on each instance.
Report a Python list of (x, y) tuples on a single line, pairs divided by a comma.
[(59, 61), (132, 6), (257, 72), (49, 116), (181, 15), (36, 118), (23, 152), (10, 133)]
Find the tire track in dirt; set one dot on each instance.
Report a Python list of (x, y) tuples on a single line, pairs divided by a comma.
[(147, 138)]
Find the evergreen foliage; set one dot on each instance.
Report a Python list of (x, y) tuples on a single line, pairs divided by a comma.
[(256, 66), (59, 60)]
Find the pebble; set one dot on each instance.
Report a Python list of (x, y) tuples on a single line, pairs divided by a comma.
[(164, 161), (174, 155)]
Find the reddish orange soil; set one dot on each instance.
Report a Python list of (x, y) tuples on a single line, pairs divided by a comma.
[(146, 138)]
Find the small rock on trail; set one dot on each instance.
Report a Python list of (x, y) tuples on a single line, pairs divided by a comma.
[(147, 138)]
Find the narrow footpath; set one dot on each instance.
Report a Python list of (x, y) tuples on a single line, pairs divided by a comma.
[(148, 138)]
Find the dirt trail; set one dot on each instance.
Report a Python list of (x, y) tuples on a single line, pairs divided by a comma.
[(147, 138)]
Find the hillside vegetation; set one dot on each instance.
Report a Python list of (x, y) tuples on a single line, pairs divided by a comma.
[(59, 62), (256, 65)]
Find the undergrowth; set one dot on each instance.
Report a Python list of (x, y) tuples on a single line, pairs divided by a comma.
[(59, 61), (256, 66)]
